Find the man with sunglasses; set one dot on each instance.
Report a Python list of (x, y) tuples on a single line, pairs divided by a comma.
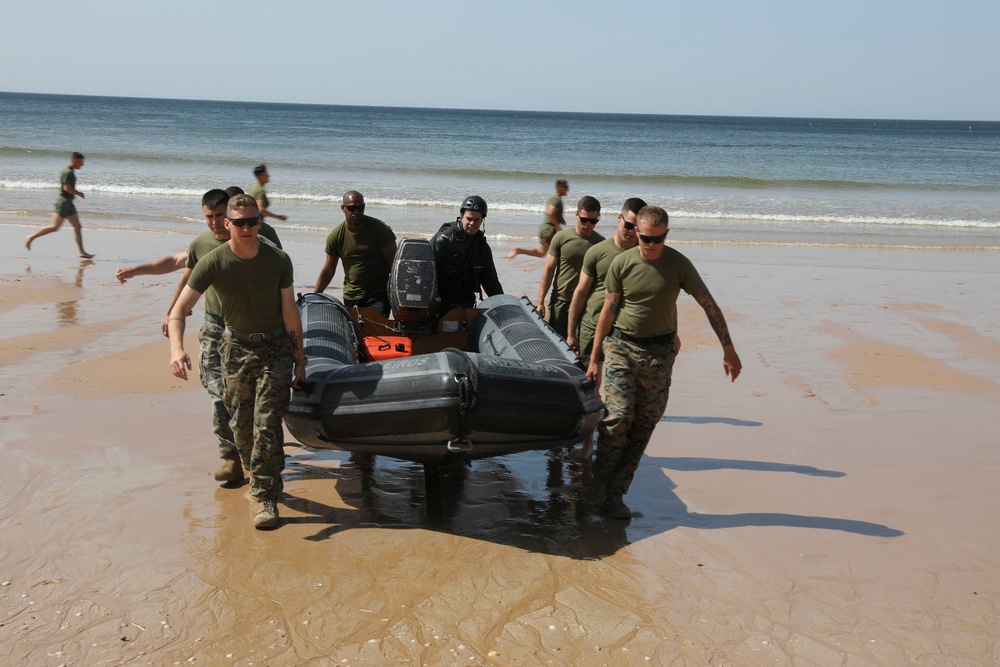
[(213, 206), (588, 297), (564, 261), (636, 333), (367, 246), (262, 353)]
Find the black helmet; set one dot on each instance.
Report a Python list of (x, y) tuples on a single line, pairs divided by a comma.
[(474, 203)]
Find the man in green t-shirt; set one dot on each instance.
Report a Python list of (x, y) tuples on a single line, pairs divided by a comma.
[(552, 223), (65, 210), (262, 354), (367, 247), (257, 192), (213, 206), (588, 297), (564, 261), (636, 333)]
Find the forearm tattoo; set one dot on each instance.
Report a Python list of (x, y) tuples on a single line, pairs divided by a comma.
[(715, 316)]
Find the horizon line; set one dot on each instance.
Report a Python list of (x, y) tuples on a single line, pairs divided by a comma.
[(533, 111)]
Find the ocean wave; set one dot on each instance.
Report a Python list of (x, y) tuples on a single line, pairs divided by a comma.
[(724, 181), (451, 205), (783, 218), (18, 150), (110, 189), (517, 208), (840, 245)]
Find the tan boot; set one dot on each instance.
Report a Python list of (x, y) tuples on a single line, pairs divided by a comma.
[(229, 471), (267, 515)]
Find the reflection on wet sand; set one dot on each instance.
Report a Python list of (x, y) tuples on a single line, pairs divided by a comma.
[(529, 501), (500, 566), (67, 309), (500, 500)]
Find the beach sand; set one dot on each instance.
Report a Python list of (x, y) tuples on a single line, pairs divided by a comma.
[(836, 505)]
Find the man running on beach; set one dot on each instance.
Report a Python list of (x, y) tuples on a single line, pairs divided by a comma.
[(257, 192), (65, 210), (262, 353), (552, 223), (564, 261), (367, 246), (636, 333)]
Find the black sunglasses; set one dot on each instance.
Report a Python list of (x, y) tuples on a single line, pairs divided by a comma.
[(587, 221), (245, 222), (354, 207), (653, 239), (629, 226)]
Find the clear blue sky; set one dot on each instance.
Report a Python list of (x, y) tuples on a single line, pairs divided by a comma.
[(852, 58)]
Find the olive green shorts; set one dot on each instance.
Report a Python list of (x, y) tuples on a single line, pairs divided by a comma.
[(65, 207)]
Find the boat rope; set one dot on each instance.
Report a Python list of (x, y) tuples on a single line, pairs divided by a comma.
[(468, 386)]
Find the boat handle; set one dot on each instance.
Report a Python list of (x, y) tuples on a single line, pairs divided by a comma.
[(459, 445)]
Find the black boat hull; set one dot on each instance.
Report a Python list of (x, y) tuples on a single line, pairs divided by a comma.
[(515, 388)]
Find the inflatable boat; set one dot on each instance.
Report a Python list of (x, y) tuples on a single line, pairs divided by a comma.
[(435, 388)]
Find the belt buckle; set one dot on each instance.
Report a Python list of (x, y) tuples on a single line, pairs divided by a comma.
[(257, 338)]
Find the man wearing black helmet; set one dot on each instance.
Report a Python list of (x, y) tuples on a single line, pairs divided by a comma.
[(464, 259)]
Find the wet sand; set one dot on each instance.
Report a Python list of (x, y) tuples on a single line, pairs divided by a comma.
[(836, 505)]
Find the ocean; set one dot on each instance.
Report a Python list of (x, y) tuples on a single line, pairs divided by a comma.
[(724, 180)]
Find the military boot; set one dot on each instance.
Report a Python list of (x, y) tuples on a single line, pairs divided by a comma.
[(267, 515), (230, 471)]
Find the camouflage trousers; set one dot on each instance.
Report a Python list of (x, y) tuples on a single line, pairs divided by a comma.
[(210, 370), (636, 388), (257, 382)]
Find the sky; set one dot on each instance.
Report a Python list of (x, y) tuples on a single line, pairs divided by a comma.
[(911, 59)]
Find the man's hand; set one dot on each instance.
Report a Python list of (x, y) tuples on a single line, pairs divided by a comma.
[(300, 374), (731, 362), (180, 364), (123, 274)]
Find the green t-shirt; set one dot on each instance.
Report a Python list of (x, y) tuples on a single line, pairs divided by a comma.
[(366, 273), (595, 264), (267, 231), (554, 200), (200, 246), (569, 248), (67, 177), (649, 290), (257, 192), (249, 290)]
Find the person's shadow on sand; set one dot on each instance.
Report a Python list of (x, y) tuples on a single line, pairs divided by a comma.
[(519, 501)]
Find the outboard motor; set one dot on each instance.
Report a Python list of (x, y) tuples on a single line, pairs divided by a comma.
[(413, 294)]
